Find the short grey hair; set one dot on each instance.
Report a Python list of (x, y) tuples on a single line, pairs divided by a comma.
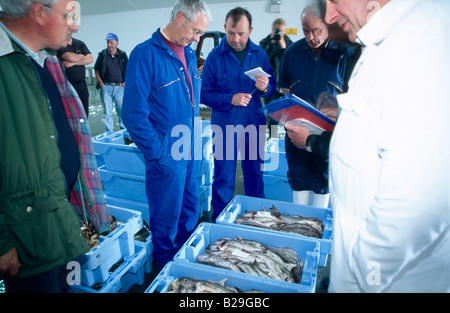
[(191, 10), (15, 9), (317, 10)]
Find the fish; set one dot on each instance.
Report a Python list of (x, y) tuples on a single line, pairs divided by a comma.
[(274, 220), (192, 285), (253, 257)]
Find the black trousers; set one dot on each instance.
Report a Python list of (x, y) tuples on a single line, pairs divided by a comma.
[(54, 281), (83, 92), (306, 170)]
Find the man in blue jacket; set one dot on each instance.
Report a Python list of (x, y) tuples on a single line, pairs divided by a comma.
[(161, 94), (236, 108), (310, 67)]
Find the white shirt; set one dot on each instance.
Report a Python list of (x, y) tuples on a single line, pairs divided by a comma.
[(389, 156)]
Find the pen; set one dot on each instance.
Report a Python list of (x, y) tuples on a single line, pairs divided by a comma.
[(253, 91)]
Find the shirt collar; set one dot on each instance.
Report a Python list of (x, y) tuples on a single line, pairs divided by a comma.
[(383, 22), (38, 57)]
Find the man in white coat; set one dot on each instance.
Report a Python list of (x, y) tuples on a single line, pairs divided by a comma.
[(389, 155)]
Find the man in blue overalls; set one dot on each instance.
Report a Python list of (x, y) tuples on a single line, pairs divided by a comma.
[(235, 102), (309, 67), (162, 93)]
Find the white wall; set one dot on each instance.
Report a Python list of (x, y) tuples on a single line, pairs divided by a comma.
[(136, 26)]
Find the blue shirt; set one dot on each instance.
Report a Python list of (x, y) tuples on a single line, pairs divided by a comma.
[(307, 78)]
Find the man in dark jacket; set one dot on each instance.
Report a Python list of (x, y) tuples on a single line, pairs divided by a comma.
[(110, 70), (275, 44)]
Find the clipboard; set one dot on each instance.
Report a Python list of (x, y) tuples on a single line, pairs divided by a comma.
[(292, 108)]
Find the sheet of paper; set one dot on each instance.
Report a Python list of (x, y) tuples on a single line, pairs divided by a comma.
[(256, 71)]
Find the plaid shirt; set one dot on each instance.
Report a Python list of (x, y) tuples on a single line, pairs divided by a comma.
[(87, 195)]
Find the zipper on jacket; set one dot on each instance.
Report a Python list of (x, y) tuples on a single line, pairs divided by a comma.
[(172, 82), (297, 82), (337, 87)]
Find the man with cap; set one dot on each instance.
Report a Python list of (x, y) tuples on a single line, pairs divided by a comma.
[(110, 69)]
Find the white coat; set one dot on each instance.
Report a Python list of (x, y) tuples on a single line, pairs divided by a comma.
[(389, 156)]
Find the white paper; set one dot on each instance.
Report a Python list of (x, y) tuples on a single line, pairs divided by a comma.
[(256, 71)]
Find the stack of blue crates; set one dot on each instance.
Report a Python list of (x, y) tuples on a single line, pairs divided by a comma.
[(122, 171), (276, 183), (119, 261)]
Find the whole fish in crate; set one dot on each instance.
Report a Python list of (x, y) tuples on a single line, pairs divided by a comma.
[(255, 258), (274, 220)]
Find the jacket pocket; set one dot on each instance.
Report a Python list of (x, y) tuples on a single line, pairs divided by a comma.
[(169, 84), (40, 231)]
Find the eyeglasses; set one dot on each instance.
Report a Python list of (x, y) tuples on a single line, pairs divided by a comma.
[(71, 17)]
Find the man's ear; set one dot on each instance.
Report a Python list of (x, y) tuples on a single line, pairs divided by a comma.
[(38, 13)]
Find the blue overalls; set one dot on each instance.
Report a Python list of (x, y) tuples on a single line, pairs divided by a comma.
[(307, 78), (223, 77), (157, 101)]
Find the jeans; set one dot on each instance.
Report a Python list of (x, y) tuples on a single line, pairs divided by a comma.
[(109, 95)]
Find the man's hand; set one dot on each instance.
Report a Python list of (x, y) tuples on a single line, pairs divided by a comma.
[(297, 133), (9, 263), (262, 83), (241, 99), (331, 113)]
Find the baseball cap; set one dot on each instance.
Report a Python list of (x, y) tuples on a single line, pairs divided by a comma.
[(112, 36)]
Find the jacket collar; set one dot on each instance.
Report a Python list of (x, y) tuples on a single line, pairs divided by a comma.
[(6, 46), (384, 21), (224, 45), (157, 40)]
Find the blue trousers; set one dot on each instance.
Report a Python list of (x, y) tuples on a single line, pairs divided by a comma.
[(252, 152), (110, 95), (173, 194)]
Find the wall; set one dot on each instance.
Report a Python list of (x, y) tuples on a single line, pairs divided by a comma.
[(136, 26)]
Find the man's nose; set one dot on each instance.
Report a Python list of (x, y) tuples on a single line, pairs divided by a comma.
[(74, 27), (331, 15)]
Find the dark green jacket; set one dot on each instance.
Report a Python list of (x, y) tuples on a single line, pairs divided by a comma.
[(35, 216)]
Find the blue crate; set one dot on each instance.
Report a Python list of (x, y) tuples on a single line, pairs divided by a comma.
[(130, 204), (240, 204), (278, 188), (206, 233), (129, 273), (112, 248), (123, 185), (274, 151), (205, 198), (112, 152), (245, 282), (117, 156)]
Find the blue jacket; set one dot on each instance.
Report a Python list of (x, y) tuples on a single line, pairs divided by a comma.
[(307, 78), (223, 77), (157, 95)]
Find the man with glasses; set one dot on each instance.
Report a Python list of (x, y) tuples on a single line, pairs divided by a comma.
[(48, 174), (163, 92)]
